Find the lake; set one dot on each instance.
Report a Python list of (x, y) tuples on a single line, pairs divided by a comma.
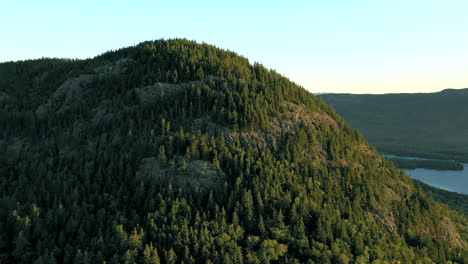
[(450, 180)]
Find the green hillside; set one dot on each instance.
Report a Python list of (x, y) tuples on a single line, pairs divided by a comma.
[(172, 151), (455, 201), (431, 125)]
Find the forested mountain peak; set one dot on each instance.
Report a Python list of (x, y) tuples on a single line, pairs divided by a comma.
[(172, 151)]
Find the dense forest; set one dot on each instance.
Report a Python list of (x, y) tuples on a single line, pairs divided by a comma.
[(172, 151), (403, 163), (431, 125), (456, 201)]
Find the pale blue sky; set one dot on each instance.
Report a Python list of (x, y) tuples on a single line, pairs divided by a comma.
[(326, 46)]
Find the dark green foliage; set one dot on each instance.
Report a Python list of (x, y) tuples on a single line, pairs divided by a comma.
[(455, 201), (427, 163), (431, 125), (178, 152)]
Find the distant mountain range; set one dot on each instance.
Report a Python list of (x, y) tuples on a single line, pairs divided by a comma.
[(433, 125)]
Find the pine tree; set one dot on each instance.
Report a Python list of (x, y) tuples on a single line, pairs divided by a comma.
[(22, 251)]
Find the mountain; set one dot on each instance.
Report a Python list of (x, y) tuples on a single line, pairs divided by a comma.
[(431, 125), (172, 151), (453, 200)]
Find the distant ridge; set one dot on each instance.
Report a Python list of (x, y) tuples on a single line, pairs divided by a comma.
[(431, 125), (409, 93)]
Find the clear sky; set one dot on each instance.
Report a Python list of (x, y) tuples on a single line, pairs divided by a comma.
[(355, 46)]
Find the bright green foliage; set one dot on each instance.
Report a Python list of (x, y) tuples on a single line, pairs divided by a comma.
[(226, 162), (271, 250)]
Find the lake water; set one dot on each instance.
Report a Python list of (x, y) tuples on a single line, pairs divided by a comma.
[(404, 157), (450, 180)]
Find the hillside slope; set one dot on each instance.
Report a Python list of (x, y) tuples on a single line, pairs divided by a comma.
[(430, 125), (178, 152)]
